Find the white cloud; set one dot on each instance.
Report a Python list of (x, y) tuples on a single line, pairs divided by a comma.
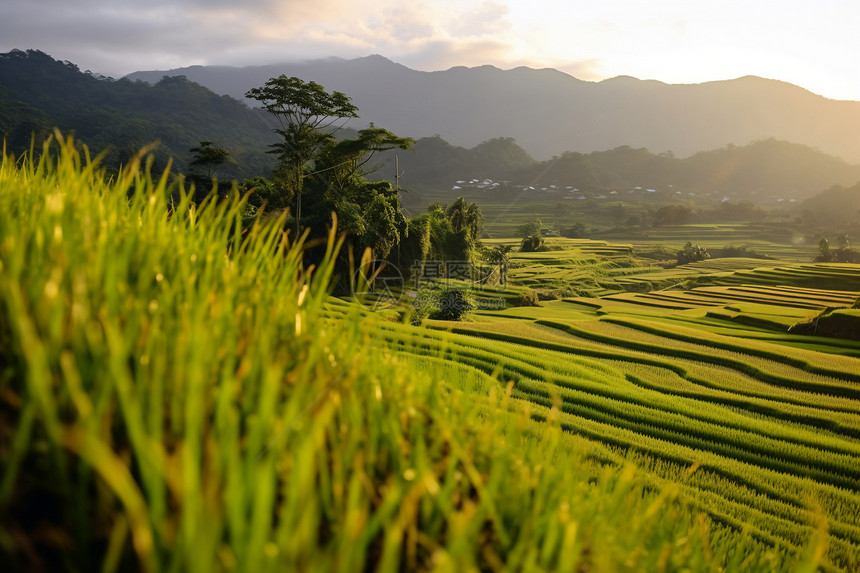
[(485, 19)]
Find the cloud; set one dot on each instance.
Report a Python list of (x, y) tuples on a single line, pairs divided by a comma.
[(402, 24), (486, 19), (432, 37), (664, 39), (123, 35)]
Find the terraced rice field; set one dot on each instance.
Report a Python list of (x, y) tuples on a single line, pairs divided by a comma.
[(778, 240), (597, 268), (760, 428), (178, 392), (836, 276), (578, 266)]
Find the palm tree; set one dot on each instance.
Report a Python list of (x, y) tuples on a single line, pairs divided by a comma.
[(499, 255), (474, 221), (466, 215), (456, 213)]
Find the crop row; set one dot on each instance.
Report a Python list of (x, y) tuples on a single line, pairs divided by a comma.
[(840, 508), (824, 466), (819, 297), (835, 367), (669, 382), (605, 388), (759, 486), (731, 323), (727, 296), (704, 380), (828, 276), (646, 300), (747, 491), (768, 370)]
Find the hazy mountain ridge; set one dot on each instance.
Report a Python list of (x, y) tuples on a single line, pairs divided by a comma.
[(38, 93), (549, 112), (763, 171)]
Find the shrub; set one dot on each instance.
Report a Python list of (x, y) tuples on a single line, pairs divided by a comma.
[(529, 298), (692, 253), (425, 304), (842, 254), (548, 294), (528, 229), (453, 304), (732, 251), (672, 215), (533, 243), (576, 231)]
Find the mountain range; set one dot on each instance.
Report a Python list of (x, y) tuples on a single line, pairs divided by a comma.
[(763, 171), (549, 112), (39, 93)]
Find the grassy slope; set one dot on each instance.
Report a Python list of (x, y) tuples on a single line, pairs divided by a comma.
[(706, 376), (178, 395)]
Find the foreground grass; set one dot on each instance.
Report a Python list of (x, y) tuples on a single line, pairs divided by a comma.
[(175, 395)]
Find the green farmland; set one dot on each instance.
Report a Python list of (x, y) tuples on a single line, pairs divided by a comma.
[(179, 391), (692, 371), (706, 390)]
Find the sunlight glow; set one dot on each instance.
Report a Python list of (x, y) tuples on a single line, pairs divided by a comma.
[(813, 44)]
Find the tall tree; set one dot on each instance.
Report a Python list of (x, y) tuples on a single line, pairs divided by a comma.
[(308, 116), (499, 255), (340, 163), (466, 215), (368, 211), (435, 240), (209, 157)]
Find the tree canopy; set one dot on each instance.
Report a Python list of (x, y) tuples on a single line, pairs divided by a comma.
[(294, 102), (466, 215), (326, 173), (209, 157), (307, 116)]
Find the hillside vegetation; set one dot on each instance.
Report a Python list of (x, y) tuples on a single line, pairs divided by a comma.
[(178, 392), (761, 171), (224, 381), (38, 93)]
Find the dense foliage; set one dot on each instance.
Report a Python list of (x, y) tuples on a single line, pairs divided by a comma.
[(38, 94), (178, 393)]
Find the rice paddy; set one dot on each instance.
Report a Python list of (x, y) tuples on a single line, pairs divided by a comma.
[(729, 414), (179, 392), (704, 377)]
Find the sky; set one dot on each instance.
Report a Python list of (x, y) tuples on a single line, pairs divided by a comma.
[(814, 44)]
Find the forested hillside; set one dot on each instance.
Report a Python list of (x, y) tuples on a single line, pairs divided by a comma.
[(38, 93), (837, 205), (761, 171)]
